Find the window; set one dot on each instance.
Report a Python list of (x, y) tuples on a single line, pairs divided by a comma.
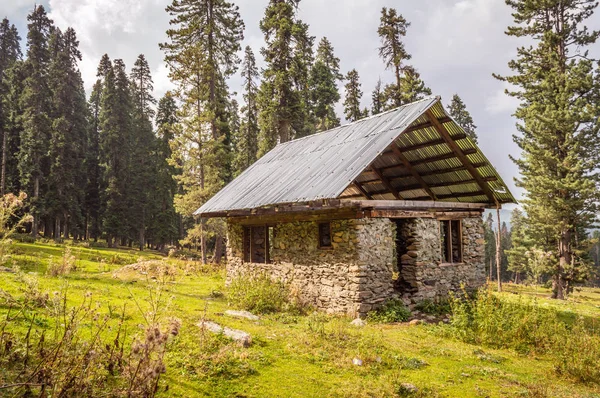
[(451, 239), (257, 245), (325, 235)]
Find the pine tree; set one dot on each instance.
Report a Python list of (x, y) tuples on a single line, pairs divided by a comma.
[(280, 103), (458, 111), (247, 139), (115, 129), (518, 254), (558, 88), (323, 82), (303, 59), (68, 136), (165, 222), (412, 88), (352, 108), (10, 53), (377, 99), (37, 123), (141, 173), (201, 60), (93, 172), (13, 124)]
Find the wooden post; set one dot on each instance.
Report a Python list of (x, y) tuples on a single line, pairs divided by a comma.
[(498, 248)]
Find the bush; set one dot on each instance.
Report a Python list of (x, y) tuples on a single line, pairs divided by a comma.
[(64, 265), (438, 307), (525, 327), (391, 311), (261, 294)]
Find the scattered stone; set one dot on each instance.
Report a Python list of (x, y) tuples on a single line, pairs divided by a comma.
[(415, 322), (378, 359), (465, 375), (357, 362), (358, 322), (242, 314), (236, 335), (409, 388), (5, 269)]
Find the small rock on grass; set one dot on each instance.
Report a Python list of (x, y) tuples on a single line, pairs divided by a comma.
[(357, 361), (415, 322), (409, 388), (236, 335), (242, 314), (358, 322), (5, 269)]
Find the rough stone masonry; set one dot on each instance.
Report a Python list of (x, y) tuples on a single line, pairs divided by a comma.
[(356, 274)]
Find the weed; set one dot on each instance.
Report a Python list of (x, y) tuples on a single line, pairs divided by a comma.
[(65, 265), (261, 294), (438, 307), (391, 311)]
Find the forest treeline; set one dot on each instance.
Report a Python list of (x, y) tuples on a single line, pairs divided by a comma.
[(118, 165)]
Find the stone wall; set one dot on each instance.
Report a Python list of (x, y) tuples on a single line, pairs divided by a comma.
[(422, 268), (354, 276), (351, 277)]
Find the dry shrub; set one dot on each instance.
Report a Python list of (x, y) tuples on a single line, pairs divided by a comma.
[(65, 265), (258, 292), (79, 351)]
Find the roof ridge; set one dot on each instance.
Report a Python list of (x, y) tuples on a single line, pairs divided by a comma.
[(429, 98)]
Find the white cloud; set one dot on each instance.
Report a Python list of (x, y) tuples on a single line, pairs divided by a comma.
[(501, 103)]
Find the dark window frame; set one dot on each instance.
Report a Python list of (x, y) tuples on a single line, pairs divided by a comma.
[(322, 243), (248, 240), (448, 250)]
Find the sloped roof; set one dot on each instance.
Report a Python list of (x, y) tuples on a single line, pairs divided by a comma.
[(414, 152)]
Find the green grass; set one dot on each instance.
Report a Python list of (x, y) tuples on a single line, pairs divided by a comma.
[(293, 355)]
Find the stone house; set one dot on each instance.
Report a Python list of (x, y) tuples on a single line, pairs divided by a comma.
[(389, 206)]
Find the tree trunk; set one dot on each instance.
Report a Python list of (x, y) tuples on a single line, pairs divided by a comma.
[(142, 230), (564, 259), (203, 239), (218, 250), (66, 227), (57, 229), (3, 172), (498, 251), (284, 130), (36, 217)]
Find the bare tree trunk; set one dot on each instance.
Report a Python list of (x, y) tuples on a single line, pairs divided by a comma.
[(218, 250), (36, 217), (142, 230), (498, 250), (3, 173), (203, 239), (564, 251), (57, 229)]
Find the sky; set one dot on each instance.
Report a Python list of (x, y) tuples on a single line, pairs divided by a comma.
[(456, 45)]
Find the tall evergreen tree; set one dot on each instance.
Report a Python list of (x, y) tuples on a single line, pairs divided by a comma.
[(68, 136), (92, 192), (558, 88), (352, 99), (518, 254), (247, 139), (36, 104), (10, 53), (280, 103), (302, 62), (323, 81), (377, 98), (202, 53), (458, 111), (412, 88), (115, 128), (165, 222), (142, 173)]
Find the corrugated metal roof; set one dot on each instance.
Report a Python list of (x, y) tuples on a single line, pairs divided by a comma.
[(324, 165)]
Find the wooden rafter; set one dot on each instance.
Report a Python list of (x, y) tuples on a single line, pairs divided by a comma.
[(362, 190), (386, 183), (408, 188), (429, 144), (423, 174), (461, 155), (414, 173), (424, 125)]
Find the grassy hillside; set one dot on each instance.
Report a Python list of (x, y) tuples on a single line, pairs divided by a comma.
[(292, 355)]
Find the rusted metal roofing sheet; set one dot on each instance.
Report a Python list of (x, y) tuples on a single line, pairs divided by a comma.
[(324, 165)]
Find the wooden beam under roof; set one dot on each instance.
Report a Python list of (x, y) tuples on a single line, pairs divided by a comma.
[(362, 190), (386, 183), (461, 155), (425, 125), (424, 174), (414, 173), (429, 143), (408, 188), (410, 204)]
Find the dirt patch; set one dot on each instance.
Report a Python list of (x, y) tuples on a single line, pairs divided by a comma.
[(152, 269)]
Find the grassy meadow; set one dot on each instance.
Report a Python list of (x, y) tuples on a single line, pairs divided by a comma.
[(293, 354)]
